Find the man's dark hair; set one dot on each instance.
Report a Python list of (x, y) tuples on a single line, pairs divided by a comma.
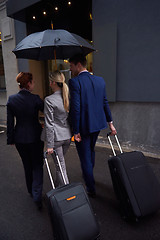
[(78, 58)]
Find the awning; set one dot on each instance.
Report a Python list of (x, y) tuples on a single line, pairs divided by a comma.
[(16, 7)]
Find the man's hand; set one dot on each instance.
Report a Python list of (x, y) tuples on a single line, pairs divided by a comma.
[(77, 137), (50, 150), (112, 128)]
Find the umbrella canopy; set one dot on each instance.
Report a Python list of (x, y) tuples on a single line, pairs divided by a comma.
[(50, 44)]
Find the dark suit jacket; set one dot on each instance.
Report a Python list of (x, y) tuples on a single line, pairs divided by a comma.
[(23, 107), (90, 110)]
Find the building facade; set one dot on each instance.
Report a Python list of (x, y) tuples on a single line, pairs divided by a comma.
[(126, 34), (8, 63)]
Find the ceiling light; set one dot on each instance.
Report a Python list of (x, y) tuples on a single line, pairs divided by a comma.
[(34, 17), (44, 13), (90, 16), (69, 3), (56, 8)]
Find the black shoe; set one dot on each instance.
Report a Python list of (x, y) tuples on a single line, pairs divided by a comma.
[(39, 205), (91, 194)]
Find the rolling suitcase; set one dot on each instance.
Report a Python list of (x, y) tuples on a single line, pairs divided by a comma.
[(134, 183), (70, 211)]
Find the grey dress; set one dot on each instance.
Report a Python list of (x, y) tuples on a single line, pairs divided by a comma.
[(56, 132)]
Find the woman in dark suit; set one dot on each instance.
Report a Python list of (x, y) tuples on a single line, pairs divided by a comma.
[(25, 133)]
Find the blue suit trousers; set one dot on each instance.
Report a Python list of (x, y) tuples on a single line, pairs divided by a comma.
[(86, 153)]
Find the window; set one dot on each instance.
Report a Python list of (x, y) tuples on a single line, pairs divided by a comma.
[(2, 77)]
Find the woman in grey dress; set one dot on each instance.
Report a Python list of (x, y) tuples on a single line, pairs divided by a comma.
[(56, 132)]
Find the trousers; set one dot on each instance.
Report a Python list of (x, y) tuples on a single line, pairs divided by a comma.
[(61, 148), (32, 159), (86, 153)]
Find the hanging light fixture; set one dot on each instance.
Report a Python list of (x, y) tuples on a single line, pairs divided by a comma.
[(90, 16)]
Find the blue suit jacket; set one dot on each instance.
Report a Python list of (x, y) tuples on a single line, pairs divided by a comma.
[(89, 108), (24, 107)]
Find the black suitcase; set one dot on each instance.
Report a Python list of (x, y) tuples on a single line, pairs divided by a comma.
[(134, 183), (70, 211)]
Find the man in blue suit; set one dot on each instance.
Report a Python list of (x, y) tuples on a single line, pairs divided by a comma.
[(89, 113)]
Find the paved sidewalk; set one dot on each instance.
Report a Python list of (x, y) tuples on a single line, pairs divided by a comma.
[(20, 220)]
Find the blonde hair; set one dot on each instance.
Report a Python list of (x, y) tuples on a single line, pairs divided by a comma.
[(59, 78)]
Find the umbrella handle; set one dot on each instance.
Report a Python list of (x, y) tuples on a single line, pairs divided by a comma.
[(55, 58)]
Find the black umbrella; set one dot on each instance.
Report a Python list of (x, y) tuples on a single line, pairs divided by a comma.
[(52, 44)]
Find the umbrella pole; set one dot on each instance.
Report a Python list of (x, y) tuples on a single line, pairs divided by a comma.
[(55, 59)]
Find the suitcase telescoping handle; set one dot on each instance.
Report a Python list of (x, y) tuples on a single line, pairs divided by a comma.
[(109, 139), (48, 168)]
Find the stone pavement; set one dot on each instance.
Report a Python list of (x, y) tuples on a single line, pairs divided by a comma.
[(20, 220)]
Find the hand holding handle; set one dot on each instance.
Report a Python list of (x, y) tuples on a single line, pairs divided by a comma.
[(59, 164)]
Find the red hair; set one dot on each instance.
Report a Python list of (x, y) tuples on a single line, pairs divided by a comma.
[(23, 78)]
